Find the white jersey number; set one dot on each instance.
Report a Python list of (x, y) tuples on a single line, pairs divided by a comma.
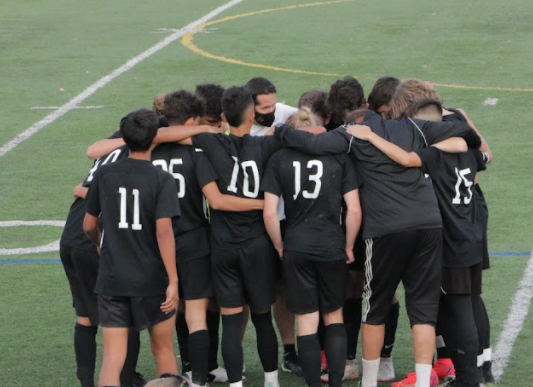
[(461, 178), (316, 178), (247, 167), (170, 169), (111, 158), (136, 225)]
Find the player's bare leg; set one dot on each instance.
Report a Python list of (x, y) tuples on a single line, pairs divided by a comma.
[(163, 346), (115, 349), (373, 337), (195, 314)]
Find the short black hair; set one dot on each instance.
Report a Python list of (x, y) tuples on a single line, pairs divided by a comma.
[(139, 129), (425, 104), (345, 95), (235, 101), (382, 92), (211, 95), (181, 105), (259, 86), (316, 100)]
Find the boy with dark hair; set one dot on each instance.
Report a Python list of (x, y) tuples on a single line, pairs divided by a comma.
[(453, 175), (267, 110), (382, 93), (211, 95), (402, 229), (316, 101), (344, 96), (313, 188), (137, 279)]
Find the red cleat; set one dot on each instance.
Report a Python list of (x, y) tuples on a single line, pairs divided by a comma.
[(410, 380), (445, 369)]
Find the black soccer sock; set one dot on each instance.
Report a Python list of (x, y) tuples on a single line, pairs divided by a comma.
[(130, 365), (462, 336), (232, 346), (85, 348), (321, 332), (199, 356), (289, 349), (182, 331), (443, 352), (336, 353), (213, 324), (390, 329), (479, 318), (352, 313), (267, 342), (486, 338), (310, 359)]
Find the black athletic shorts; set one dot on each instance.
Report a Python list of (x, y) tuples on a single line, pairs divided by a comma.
[(462, 280), (131, 312), (486, 259), (245, 275), (413, 257), (314, 285), (195, 279), (81, 267), (359, 254)]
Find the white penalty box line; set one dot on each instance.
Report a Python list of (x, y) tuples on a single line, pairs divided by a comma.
[(77, 100)]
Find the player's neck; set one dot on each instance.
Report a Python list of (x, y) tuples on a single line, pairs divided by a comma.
[(240, 131), (141, 155)]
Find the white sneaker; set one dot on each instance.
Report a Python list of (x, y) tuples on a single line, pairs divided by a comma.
[(218, 375), (386, 369), (271, 379), (351, 372)]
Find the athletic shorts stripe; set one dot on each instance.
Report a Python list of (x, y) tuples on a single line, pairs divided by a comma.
[(368, 277)]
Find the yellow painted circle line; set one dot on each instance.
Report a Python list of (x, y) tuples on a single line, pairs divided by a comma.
[(188, 41)]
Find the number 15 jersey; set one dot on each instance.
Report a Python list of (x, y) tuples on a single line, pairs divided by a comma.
[(313, 189)]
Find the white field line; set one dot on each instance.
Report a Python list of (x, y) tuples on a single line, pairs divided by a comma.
[(57, 107), (35, 128), (54, 246), (514, 323)]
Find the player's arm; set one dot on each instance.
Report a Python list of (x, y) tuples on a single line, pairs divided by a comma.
[(219, 201), (167, 248), (484, 145), (90, 228), (452, 145), (104, 147), (271, 219), (183, 134), (80, 191), (435, 132), (328, 143), (353, 221), (90, 222)]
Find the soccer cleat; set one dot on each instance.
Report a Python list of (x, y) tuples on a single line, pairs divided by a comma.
[(291, 364), (455, 383), (134, 380), (487, 374), (410, 380), (323, 363), (351, 372), (386, 369), (444, 369), (218, 375)]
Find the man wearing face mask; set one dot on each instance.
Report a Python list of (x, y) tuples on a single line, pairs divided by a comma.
[(268, 112)]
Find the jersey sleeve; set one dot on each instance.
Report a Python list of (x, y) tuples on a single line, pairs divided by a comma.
[(116, 134), (205, 173), (482, 159), (350, 179), (435, 132), (328, 143), (430, 158), (167, 205), (93, 197), (270, 182)]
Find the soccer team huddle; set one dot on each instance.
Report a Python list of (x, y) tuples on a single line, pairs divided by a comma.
[(221, 205)]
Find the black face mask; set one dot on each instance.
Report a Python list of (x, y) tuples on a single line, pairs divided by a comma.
[(265, 119)]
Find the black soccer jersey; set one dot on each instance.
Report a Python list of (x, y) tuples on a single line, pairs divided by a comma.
[(453, 177), (313, 189), (131, 195), (239, 163), (191, 171), (393, 198), (73, 235)]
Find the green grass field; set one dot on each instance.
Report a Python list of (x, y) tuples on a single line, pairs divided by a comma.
[(52, 51)]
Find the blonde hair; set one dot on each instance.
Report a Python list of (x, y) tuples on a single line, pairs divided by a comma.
[(408, 92), (303, 117), (158, 104)]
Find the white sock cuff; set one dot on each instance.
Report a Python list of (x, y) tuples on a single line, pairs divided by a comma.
[(236, 384), (423, 375), (273, 375), (487, 354), (480, 360)]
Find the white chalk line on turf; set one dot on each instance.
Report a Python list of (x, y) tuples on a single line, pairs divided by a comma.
[(57, 107), (53, 246), (514, 322), (35, 128)]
